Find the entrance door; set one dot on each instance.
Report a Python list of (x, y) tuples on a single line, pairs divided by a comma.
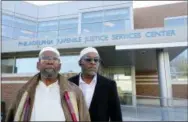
[(125, 80)]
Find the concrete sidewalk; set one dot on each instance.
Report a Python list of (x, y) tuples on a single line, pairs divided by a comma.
[(151, 113)]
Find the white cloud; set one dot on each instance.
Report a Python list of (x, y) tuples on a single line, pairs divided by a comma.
[(136, 4), (40, 3), (139, 4)]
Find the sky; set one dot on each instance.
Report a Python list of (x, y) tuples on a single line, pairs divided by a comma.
[(136, 4)]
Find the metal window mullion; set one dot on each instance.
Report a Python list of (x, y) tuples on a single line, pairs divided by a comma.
[(14, 65), (79, 29), (103, 16), (13, 22), (58, 28), (58, 20)]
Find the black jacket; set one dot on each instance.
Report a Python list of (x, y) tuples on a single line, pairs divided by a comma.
[(105, 104)]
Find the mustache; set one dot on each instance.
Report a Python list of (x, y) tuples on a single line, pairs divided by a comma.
[(92, 68), (49, 69), (49, 72)]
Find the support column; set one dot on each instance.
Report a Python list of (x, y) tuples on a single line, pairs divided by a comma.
[(134, 103), (164, 78), (133, 74)]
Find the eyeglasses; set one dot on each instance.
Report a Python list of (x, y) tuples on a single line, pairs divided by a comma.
[(46, 59), (96, 60)]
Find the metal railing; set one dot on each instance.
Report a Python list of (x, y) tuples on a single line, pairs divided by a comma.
[(176, 110)]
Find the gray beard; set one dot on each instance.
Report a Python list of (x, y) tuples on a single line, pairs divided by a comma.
[(49, 73), (91, 73)]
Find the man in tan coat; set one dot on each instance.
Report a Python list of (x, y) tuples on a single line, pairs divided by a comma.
[(48, 96)]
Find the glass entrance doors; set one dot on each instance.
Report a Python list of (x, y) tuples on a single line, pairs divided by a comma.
[(125, 83)]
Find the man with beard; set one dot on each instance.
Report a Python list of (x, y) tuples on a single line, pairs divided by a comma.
[(48, 96), (100, 93)]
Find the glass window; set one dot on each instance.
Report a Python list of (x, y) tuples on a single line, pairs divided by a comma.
[(7, 31), (48, 34), (26, 65), (68, 23), (70, 64), (48, 25), (179, 67), (92, 28), (25, 24), (106, 21), (116, 14), (128, 24), (181, 21), (7, 20), (66, 32), (7, 65), (111, 26), (89, 17), (23, 34)]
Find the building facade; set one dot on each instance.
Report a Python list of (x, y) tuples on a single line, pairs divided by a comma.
[(143, 49)]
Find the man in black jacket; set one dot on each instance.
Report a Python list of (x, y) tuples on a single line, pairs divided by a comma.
[(99, 92)]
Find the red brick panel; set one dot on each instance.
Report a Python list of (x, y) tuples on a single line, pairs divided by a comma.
[(148, 90), (146, 72), (180, 91), (9, 92), (27, 78), (147, 77), (15, 78), (151, 17)]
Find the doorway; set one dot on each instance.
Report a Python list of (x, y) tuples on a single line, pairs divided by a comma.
[(125, 81)]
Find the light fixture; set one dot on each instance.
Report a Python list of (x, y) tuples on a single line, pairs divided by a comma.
[(26, 32), (109, 24), (143, 52), (86, 30), (23, 37)]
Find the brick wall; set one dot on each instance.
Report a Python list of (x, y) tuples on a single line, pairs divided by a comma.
[(151, 17), (147, 85), (180, 91), (9, 92)]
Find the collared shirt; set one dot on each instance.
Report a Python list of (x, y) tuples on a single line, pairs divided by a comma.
[(88, 89), (47, 103)]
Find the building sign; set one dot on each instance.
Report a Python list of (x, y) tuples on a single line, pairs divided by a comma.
[(99, 38), (141, 36)]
